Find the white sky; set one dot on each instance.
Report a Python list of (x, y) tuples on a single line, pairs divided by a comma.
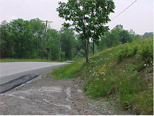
[(138, 17)]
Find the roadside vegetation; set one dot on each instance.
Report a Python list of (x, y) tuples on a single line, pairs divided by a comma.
[(24, 39), (123, 74)]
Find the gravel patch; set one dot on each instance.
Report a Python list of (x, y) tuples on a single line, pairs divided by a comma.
[(46, 96)]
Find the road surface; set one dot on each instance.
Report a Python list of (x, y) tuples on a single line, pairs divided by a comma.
[(15, 70)]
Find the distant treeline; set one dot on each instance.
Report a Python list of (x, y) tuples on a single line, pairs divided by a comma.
[(23, 39)]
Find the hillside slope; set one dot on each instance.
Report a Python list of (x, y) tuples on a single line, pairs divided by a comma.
[(123, 74)]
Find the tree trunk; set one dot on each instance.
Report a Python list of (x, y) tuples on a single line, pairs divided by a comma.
[(86, 54), (86, 43), (85, 39), (93, 48)]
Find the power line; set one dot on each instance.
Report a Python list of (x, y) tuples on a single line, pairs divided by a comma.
[(17, 6), (19, 11), (124, 10)]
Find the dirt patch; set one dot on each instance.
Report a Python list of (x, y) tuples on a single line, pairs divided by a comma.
[(45, 96)]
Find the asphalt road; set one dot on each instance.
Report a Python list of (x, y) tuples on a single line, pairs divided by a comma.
[(13, 71)]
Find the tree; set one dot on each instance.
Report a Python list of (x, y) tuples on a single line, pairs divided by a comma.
[(79, 54), (23, 38), (52, 41), (125, 37), (111, 38), (147, 34), (88, 18), (115, 35), (103, 44), (38, 32), (68, 42), (6, 42)]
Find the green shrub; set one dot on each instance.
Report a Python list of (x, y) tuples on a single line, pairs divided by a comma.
[(127, 51), (122, 53), (146, 51)]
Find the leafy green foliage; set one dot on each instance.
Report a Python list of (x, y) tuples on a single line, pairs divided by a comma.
[(5, 40), (51, 44), (19, 39), (68, 43), (144, 49), (24, 39), (124, 37), (79, 54), (88, 18), (38, 31), (127, 52), (147, 35), (116, 37)]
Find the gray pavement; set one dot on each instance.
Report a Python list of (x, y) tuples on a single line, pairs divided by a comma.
[(13, 70), (16, 73)]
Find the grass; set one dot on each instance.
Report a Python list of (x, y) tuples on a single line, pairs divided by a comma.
[(123, 73), (68, 71), (24, 60)]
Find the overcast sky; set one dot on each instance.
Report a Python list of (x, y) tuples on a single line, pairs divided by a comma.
[(138, 17)]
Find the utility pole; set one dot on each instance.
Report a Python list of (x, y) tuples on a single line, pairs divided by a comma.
[(44, 37)]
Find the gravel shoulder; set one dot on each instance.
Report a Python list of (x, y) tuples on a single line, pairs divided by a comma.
[(46, 96)]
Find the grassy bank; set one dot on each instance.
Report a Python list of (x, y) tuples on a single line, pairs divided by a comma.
[(68, 71), (123, 74), (24, 60)]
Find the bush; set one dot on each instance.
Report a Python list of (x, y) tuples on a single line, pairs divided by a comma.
[(127, 51), (122, 53), (146, 51), (143, 49)]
